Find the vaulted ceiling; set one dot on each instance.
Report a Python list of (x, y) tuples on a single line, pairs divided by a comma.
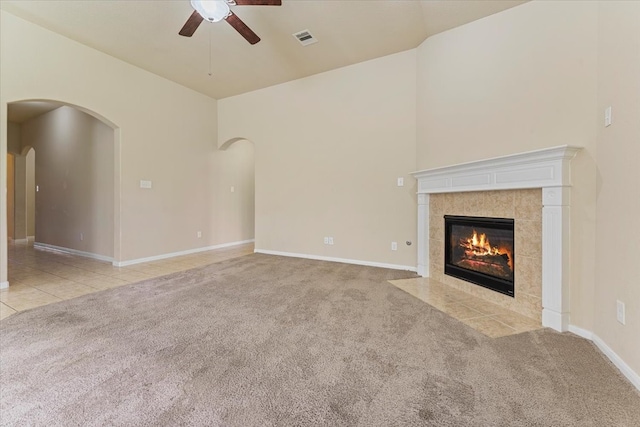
[(145, 34)]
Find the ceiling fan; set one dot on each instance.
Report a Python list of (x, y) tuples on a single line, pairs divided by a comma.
[(217, 10)]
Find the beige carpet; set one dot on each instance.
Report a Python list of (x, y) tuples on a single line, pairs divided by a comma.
[(269, 341)]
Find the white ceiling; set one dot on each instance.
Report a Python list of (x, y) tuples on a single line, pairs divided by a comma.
[(145, 34)]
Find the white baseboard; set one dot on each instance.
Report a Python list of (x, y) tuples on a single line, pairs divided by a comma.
[(626, 370), (20, 241), (181, 253), (343, 260), (72, 251), (4, 285)]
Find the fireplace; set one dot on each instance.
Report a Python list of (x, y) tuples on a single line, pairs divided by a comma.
[(548, 169), (481, 250)]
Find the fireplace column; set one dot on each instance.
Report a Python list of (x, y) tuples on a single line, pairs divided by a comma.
[(555, 257), (423, 235)]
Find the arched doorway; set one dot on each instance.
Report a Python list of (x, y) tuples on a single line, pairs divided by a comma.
[(21, 195), (238, 170), (78, 186)]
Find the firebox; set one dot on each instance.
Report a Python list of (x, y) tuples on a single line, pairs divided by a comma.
[(480, 250)]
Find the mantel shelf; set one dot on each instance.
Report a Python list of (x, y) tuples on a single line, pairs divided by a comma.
[(534, 169)]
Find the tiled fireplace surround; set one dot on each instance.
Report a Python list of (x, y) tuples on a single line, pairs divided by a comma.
[(533, 188), (525, 207)]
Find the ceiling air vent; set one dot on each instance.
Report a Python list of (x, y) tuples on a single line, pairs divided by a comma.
[(305, 37)]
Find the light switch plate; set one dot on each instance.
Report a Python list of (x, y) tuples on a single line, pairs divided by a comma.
[(145, 184)]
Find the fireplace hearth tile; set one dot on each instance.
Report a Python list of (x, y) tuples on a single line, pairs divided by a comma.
[(490, 327), (518, 322), (461, 312), (483, 316)]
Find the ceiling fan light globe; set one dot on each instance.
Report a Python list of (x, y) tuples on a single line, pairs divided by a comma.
[(211, 10)]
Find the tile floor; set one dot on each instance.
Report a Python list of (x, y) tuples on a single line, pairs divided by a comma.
[(40, 276), (483, 316)]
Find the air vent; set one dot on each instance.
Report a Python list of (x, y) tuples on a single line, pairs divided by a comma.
[(305, 37)]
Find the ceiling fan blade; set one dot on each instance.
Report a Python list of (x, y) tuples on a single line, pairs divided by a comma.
[(191, 25), (259, 2), (242, 28)]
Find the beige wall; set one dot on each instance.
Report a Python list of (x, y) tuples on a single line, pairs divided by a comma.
[(618, 174), (10, 211), (18, 184), (74, 204), (13, 138), (20, 198), (164, 132), (329, 149), (13, 148)]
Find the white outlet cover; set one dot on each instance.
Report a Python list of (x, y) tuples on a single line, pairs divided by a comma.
[(331, 240), (326, 240), (394, 246), (400, 182), (145, 184)]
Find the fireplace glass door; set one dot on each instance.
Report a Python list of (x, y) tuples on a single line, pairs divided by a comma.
[(481, 250)]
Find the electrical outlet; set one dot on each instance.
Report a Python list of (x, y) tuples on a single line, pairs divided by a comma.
[(394, 246), (199, 234), (331, 240), (81, 237), (326, 240), (620, 311)]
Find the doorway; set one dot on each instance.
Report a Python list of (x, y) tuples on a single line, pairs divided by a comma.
[(67, 197)]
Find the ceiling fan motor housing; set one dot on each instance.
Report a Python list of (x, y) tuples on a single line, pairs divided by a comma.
[(212, 10)]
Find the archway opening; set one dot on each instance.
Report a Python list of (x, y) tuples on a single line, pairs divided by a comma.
[(66, 197), (238, 184)]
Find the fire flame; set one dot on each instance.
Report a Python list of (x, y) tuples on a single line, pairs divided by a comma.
[(480, 246)]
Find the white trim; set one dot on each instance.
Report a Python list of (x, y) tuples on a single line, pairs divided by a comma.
[(549, 169), (181, 253), (342, 260), (20, 241), (583, 333), (533, 169), (72, 251), (423, 235), (4, 285), (625, 369)]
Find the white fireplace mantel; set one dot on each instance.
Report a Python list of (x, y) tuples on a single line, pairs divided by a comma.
[(548, 169)]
